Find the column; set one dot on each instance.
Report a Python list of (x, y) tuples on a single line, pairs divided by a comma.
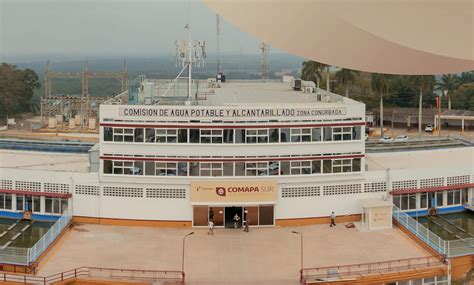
[(462, 125)]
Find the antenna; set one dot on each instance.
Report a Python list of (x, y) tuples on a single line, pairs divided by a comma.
[(264, 65), (218, 33)]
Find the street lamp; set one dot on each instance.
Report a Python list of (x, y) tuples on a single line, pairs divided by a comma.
[(301, 252), (182, 259)]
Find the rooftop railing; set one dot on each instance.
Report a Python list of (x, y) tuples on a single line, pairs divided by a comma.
[(451, 248), (354, 271), (168, 276)]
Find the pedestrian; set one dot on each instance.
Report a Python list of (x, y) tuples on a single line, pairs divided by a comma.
[(333, 220), (211, 214), (210, 224), (236, 220), (246, 223)]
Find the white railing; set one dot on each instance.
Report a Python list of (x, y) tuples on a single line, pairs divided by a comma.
[(458, 247), (422, 232), (42, 244)]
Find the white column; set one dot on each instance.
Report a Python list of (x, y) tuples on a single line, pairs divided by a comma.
[(42, 205), (462, 125), (14, 202)]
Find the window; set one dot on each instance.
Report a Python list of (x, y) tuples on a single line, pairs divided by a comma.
[(194, 135), (316, 167), (274, 135), (300, 135), (5, 201), (108, 134), (274, 168), (108, 166), (211, 136), (341, 165), (228, 136), (138, 135), (256, 168), (182, 169), (20, 202), (123, 135), (166, 135), (423, 200), (182, 135), (327, 134), (356, 132), (210, 169), (317, 132), (228, 168), (356, 162), (166, 168), (55, 205), (285, 135), (300, 167), (344, 133), (149, 135), (453, 197), (405, 201), (327, 166), (439, 199), (127, 167), (256, 136)]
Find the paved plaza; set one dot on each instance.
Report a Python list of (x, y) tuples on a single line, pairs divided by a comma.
[(263, 256)]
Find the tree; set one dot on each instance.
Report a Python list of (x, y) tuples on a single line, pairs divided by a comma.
[(346, 77), (466, 77), (16, 88), (312, 71), (380, 85), (423, 83), (448, 83)]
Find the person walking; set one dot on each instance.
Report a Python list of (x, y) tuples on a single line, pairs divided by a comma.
[(210, 224), (333, 220), (236, 220), (246, 227)]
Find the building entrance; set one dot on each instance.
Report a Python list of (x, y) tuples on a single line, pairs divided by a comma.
[(257, 215), (230, 213)]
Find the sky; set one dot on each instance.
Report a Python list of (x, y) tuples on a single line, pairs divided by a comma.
[(111, 28)]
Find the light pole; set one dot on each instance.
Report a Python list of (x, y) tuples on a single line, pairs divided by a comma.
[(301, 251), (182, 259)]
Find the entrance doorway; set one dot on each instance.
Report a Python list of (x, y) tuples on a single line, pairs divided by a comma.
[(230, 212)]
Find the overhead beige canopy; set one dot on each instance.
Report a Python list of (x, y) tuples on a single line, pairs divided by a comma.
[(385, 36)]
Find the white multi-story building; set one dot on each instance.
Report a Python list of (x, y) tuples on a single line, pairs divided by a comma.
[(263, 151)]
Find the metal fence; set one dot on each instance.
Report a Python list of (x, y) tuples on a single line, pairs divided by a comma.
[(354, 271), (42, 244), (158, 276), (450, 248), (26, 256)]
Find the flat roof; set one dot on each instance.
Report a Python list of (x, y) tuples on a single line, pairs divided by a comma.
[(268, 93), (35, 160), (250, 257), (460, 158)]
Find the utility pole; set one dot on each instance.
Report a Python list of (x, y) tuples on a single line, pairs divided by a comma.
[(218, 34)]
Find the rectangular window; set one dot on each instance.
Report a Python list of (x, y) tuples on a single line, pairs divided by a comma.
[(256, 136), (20, 202), (396, 201), (316, 136), (300, 135), (342, 133), (256, 168), (228, 168), (166, 135), (274, 168), (341, 165), (36, 204), (327, 134), (182, 135), (194, 135), (356, 163), (423, 200), (300, 167), (228, 136), (285, 167), (182, 169), (453, 197), (138, 135), (126, 167), (240, 169), (166, 168), (108, 134), (327, 166), (55, 206), (240, 136), (316, 167), (149, 135), (274, 135), (123, 135), (211, 136), (210, 169), (356, 132), (439, 199), (285, 135)]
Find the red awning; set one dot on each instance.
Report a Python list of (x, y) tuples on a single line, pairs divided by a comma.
[(32, 193), (433, 189)]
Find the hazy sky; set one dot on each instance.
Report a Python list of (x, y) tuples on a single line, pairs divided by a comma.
[(131, 28)]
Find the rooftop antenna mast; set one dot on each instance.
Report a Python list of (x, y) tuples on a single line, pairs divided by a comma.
[(188, 53), (218, 34), (264, 65)]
